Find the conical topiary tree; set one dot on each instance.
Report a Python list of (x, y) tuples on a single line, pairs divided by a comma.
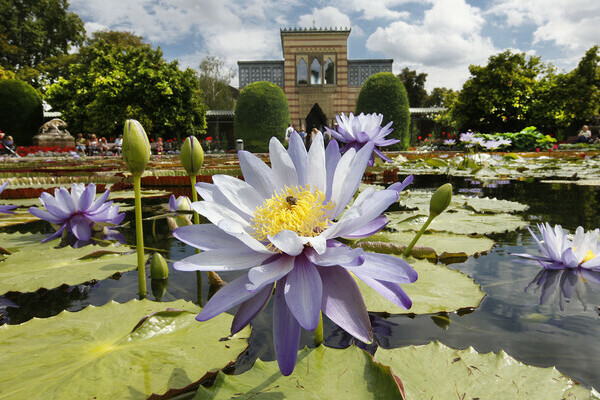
[(385, 94), (21, 112), (261, 111)]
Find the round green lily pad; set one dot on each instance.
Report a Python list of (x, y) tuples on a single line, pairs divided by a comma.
[(438, 289), (321, 373), (435, 371), (37, 265), (19, 217), (106, 353)]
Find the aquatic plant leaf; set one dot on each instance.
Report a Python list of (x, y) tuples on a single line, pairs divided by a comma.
[(97, 354), (19, 217), (434, 371), (457, 221), (320, 373), (493, 205), (41, 265), (440, 242), (15, 241), (438, 289)]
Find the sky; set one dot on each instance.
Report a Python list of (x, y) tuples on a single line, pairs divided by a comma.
[(438, 37)]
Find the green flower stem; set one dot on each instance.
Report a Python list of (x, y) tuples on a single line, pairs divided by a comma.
[(194, 198), (319, 331), (139, 233), (406, 252)]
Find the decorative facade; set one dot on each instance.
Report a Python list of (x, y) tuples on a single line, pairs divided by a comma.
[(315, 74)]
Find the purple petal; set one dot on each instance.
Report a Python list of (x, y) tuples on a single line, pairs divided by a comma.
[(56, 234), (6, 209), (303, 293), (299, 156), (53, 206), (87, 197), (65, 200), (172, 204), (223, 259), (249, 309), (343, 303), (391, 291), (205, 237), (284, 171), (400, 186), (369, 229), (286, 332), (228, 296), (287, 241), (385, 267), (46, 216), (80, 227), (99, 202), (332, 157), (274, 269), (339, 255)]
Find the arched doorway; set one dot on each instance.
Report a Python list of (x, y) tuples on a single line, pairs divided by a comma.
[(316, 118)]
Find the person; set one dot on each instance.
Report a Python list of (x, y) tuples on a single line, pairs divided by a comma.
[(288, 132), (585, 135), (80, 143), (91, 144), (118, 144), (2, 149), (303, 136), (103, 144), (9, 143), (159, 146)]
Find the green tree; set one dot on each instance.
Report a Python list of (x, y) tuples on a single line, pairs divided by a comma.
[(499, 96), (261, 112), (21, 113), (384, 93), (112, 83), (31, 31), (414, 83), (440, 97), (214, 80)]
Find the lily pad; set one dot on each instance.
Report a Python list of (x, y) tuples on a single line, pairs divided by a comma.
[(41, 265), (460, 221), (435, 371), (494, 206), (100, 353), (321, 373), (19, 217), (449, 244), (438, 289)]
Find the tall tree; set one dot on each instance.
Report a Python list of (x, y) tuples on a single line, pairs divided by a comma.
[(214, 79), (440, 97), (111, 83), (31, 31), (415, 86), (499, 96)]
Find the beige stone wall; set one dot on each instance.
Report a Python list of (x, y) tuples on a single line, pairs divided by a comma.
[(333, 99)]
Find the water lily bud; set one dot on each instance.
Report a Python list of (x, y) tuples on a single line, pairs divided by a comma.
[(440, 199), (159, 288), (158, 267), (135, 147), (192, 155)]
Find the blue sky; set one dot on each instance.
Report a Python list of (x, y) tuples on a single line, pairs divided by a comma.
[(438, 37)]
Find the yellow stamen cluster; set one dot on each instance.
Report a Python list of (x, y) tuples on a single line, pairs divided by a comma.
[(297, 209), (590, 255)]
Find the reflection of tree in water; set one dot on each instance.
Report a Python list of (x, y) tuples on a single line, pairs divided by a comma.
[(42, 303)]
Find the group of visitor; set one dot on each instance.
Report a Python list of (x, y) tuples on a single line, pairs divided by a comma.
[(94, 146), (306, 139), (7, 144), (585, 135)]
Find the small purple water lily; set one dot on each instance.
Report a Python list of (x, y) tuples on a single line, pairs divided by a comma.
[(282, 223), (6, 209), (358, 130), (77, 212), (560, 252), (179, 203)]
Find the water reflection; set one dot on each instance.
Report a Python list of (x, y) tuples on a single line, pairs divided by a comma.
[(562, 285)]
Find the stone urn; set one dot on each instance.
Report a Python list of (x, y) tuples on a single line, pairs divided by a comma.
[(54, 133)]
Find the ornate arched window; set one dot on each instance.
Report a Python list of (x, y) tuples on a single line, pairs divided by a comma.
[(302, 72), (315, 72), (329, 72)]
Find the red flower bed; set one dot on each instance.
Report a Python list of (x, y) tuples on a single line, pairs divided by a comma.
[(27, 150)]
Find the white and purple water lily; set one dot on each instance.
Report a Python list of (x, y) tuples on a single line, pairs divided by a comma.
[(282, 223), (6, 209), (358, 130), (77, 212), (560, 252), (179, 203)]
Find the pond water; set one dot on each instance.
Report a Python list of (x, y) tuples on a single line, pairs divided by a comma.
[(509, 318)]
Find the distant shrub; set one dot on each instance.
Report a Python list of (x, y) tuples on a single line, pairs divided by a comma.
[(385, 94), (261, 111), (527, 139), (21, 112)]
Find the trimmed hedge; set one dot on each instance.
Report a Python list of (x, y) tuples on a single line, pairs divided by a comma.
[(385, 94), (261, 111), (21, 112)]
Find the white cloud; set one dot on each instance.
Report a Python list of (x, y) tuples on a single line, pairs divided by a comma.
[(376, 9), (325, 18), (572, 24), (91, 27), (443, 44)]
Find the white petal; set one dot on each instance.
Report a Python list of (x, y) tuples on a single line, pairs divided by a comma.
[(287, 241), (243, 196), (315, 176), (284, 172), (268, 273), (224, 259), (257, 173)]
